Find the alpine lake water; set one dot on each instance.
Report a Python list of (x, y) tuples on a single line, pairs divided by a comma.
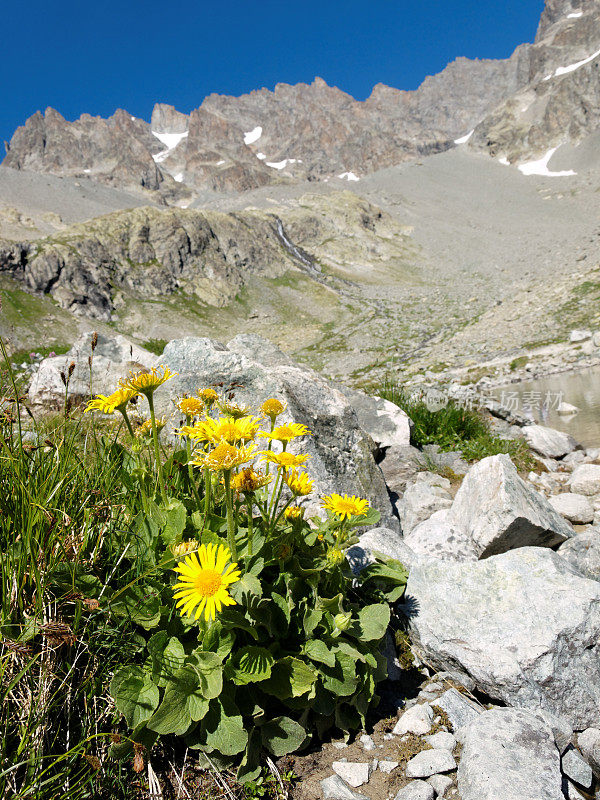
[(540, 399)]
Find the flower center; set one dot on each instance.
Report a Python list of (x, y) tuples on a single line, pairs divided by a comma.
[(208, 582)]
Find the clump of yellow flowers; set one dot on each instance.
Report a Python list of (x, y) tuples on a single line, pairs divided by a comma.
[(224, 461)]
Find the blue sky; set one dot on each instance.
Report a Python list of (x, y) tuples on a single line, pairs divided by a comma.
[(97, 55)]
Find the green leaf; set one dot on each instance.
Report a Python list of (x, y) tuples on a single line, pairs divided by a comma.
[(175, 520), (290, 677), (183, 703), (252, 664), (236, 620), (167, 655), (250, 766), (140, 603), (135, 694), (317, 650), (342, 679), (222, 729), (218, 640), (282, 735), (312, 617), (372, 517), (372, 622), (71, 577), (248, 584), (209, 670)]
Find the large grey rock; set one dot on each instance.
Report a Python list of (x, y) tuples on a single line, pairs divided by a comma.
[(386, 423), (583, 552), (458, 708), (440, 783), (441, 741), (384, 542), (114, 358), (500, 512), (400, 465), (509, 754), (334, 788), (441, 537), (430, 762), (588, 742), (524, 626), (586, 479), (354, 773), (417, 720), (574, 507), (575, 768), (549, 442), (416, 790), (341, 452), (420, 500)]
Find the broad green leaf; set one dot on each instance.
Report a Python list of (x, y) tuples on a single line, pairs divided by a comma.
[(248, 584), (175, 520), (183, 703), (209, 670), (222, 729), (166, 657), (342, 679), (252, 664), (140, 603), (312, 617), (372, 622), (317, 650), (290, 677), (71, 577), (282, 735), (250, 766), (218, 640), (372, 517), (135, 694)]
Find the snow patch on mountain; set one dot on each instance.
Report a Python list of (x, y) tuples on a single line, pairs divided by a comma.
[(540, 167), (170, 140), (284, 163), (575, 15), (349, 176), (572, 67), (253, 136), (464, 139)]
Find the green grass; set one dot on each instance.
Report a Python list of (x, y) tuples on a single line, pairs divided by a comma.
[(455, 427), (155, 346), (519, 362)]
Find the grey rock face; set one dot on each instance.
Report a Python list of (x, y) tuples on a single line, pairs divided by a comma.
[(113, 359), (430, 762), (417, 720), (441, 741), (499, 511), (388, 543), (482, 619), (385, 423), (583, 553), (586, 479), (341, 459), (575, 768), (509, 753), (574, 507), (440, 783), (334, 788), (549, 442), (440, 537), (458, 708), (588, 742), (416, 790), (353, 773), (419, 502)]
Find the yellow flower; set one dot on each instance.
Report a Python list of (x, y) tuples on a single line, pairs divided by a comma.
[(272, 408), (204, 581), (335, 556), (299, 482), (209, 396), (234, 410), (342, 621), (229, 429), (285, 433), (145, 429), (182, 549), (285, 460), (248, 481), (224, 457), (293, 513), (147, 382), (108, 404), (190, 406), (346, 507)]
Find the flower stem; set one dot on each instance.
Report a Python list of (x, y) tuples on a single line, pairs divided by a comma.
[(249, 498), (229, 504), (159, 472), (127, 422), (207, 491)]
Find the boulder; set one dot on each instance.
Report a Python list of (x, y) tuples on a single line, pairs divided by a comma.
[(575, 768), (588, 742), (341, 452), (417, 720), (441, 537), (334, 788), (354, 773), (583, 553), (416, 790), (579, 336), (566, 409), (458, 709), (420, 500), (441, 741), (383, 541), (500, 512), (430, 762), (586, 479), (574, 507), (399, 466), (510, 754), (114, 357), (386, 423), (523, 625), (549, 442)]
